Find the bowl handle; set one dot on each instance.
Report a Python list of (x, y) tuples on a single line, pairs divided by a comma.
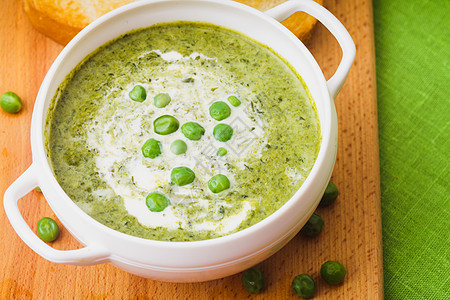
[(286, 9), (19, 188)]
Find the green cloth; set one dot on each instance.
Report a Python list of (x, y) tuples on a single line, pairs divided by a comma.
[(412, 39)]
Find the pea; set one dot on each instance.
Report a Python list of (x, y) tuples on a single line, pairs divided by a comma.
[(151, 148), (253, 280), (192, 131), (223, 132), (234, 101), (156, 202), (219, 110), (166, 124), (11, 102), (332, 272), (47, 229), (38, 189), (304, 286), (161, 100), (314, 225), (330, 194), (138, 94), (222, 151), (178, 147), (182, 176), (218, 183)]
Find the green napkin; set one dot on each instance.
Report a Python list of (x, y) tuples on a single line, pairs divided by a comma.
[(412, 40)]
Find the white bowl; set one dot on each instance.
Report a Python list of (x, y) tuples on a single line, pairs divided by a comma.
[(199, 260)]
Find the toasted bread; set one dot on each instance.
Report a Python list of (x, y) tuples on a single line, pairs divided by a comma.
[(61, 20)]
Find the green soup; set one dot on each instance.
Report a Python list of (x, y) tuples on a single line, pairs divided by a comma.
[(232, 107)]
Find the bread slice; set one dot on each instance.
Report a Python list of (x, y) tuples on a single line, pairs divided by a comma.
[(61, 20)]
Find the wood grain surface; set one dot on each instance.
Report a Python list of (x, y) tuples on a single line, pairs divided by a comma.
[(352, 233)]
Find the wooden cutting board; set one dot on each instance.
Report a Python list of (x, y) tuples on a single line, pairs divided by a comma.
[(352, 233)]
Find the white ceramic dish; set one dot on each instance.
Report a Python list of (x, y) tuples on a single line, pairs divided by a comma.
[(185, 261)]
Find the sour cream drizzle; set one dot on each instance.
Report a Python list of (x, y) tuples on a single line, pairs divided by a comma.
[(128, 124)]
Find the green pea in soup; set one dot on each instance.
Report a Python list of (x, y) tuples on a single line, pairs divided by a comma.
[(182, 131)]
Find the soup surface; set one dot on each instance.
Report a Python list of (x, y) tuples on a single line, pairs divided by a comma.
[(115, 156)]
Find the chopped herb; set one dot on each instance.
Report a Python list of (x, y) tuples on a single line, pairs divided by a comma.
[(188, 80)]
